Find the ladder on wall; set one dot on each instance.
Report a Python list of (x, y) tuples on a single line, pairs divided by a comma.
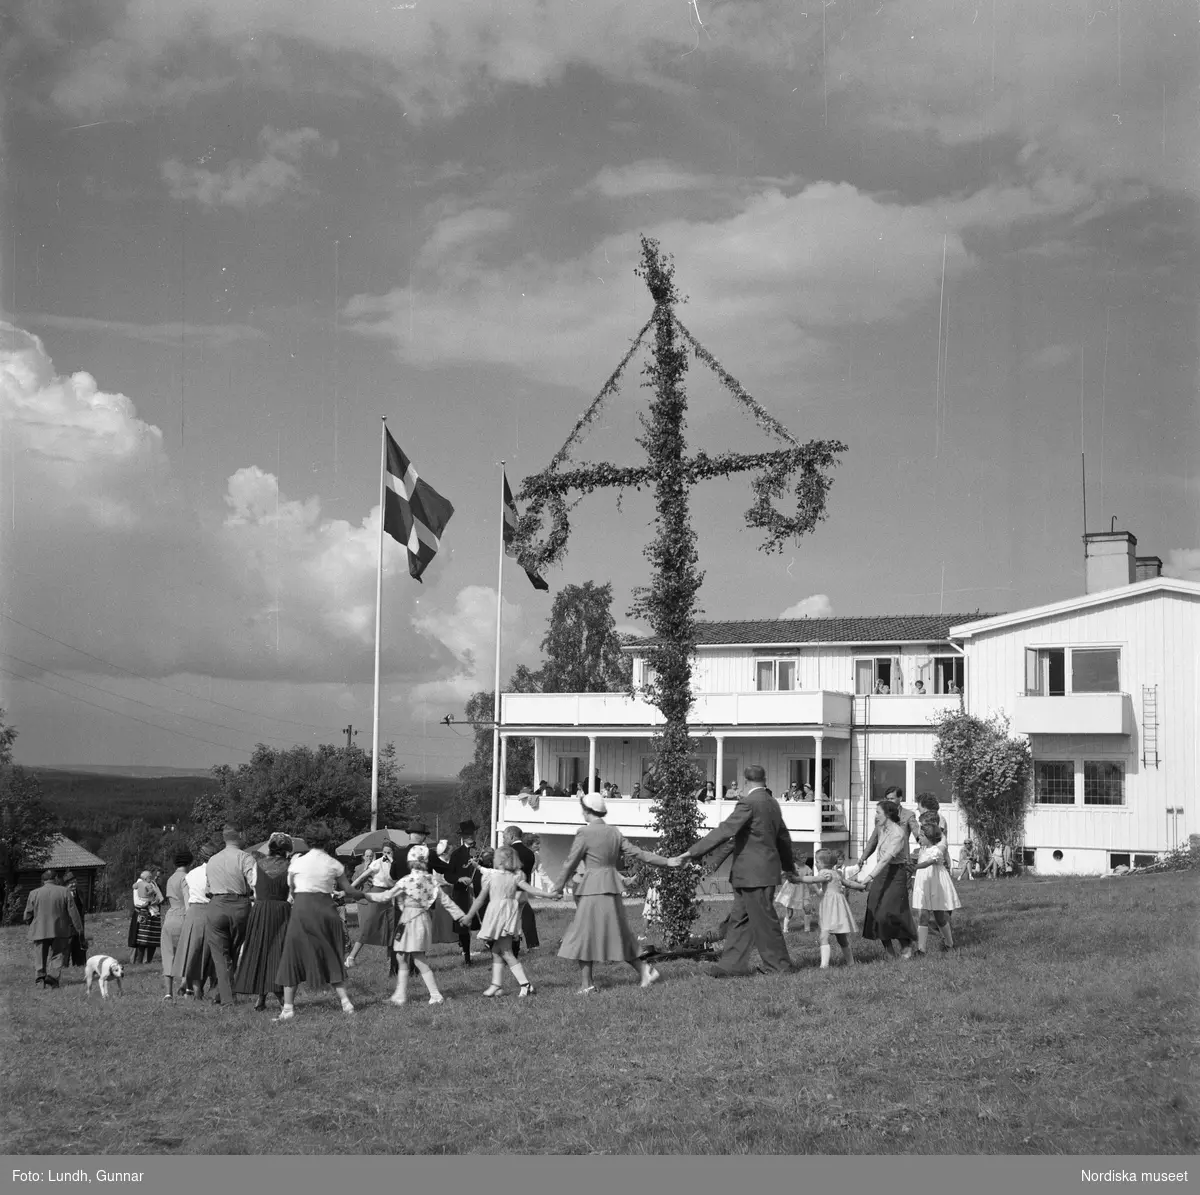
[(1150, 726)]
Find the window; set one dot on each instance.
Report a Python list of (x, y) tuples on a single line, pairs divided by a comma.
[(643, 674), (948, 674), (1028, 859), (1103, 782), (1144, 860), (885, 773), (1054, 781), (1045, 671), (928, 778), (1095, 670), (878, 674), (1117, 860), (770, 675), (804, 771)]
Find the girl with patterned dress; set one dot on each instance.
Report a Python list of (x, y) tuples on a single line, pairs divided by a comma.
[(834, 918), (797, 898), (502, 893), (934, 893), (416, 893)]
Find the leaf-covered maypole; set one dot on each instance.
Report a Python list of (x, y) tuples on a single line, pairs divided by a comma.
[(669, 602)]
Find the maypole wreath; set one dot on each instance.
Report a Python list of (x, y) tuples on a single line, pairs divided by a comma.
[(669, 603)]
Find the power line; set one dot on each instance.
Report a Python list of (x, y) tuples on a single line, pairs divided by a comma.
[(121, 714), (122, 697), (160, 684)]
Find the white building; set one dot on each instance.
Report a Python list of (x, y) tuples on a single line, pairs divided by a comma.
[(1105, 685)]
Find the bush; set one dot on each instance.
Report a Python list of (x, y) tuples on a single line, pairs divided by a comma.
[(1182, 858)]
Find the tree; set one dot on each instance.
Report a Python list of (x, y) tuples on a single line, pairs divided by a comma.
[(669, 602), (583, 651), (287, 790), (128, 853), (990, 773), (474, 796), (27, 827)]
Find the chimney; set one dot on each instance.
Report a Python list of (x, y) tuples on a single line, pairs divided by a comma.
[(1110, 560), (1147, 567)]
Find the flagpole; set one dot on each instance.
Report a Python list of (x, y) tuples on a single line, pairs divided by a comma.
[(497, 779), (378, 622)]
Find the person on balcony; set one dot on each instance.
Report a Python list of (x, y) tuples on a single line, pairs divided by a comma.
[(758, 842)]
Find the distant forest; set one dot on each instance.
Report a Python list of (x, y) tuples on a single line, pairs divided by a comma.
[(91, 807)]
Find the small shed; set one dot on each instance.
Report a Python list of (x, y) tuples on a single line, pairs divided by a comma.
[(65, 856)]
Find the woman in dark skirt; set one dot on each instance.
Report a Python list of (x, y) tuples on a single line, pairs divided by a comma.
[(314, 943), (145, 924), (267, 926), (376, 922), (193, 965), (888, 918), (600, 932)]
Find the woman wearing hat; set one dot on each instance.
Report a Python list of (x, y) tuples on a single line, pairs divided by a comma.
[(600, 933), (465, 886)]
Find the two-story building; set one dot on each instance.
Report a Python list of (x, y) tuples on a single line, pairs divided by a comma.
[(1105, 686)]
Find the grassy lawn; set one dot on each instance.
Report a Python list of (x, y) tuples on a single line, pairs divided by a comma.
[(1065, 1022)]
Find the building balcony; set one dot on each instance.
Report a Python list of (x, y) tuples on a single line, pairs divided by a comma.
[(902, 709), (1074, 713), (555, 711), (635, 818)]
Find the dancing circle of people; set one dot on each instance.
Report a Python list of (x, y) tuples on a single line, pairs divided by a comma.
[(265, 925)]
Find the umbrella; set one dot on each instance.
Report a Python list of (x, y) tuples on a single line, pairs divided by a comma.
[(299, 846), (373, 840)]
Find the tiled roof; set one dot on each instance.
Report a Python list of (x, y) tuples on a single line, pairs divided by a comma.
[(876, 628), (65, 853)]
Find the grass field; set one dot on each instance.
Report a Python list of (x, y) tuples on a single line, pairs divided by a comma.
[(1065, 1022)]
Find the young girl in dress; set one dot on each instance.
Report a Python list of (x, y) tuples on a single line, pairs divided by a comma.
[(417, 893), (502, 893), (834, 918), (797, 898), (934, 893)]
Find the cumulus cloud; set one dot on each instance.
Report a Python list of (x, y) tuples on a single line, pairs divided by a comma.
[(468, 631), (646, 178), (104, 540), (1183, 563), (816, 606), (775, 276), (245, 184)]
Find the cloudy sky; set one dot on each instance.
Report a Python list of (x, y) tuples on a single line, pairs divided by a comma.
[(959, 236)]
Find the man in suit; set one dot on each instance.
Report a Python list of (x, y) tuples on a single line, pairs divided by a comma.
[(464, 882), (755, 836), (514, 838), (52, 918)]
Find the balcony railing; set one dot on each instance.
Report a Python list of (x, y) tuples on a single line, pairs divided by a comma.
[(1074, 713), (809, 708), (635, 817), (902, 709)]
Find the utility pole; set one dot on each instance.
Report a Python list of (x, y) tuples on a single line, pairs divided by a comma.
[(349, 732)]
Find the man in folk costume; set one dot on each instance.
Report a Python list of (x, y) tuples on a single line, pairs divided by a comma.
[(514, 838), (755, 836), (52, 918), (465, 884)]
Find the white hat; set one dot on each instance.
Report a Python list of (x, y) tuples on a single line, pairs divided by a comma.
[(418, 853), (595, 802)]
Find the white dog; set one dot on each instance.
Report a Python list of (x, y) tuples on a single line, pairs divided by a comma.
[(103, 967)]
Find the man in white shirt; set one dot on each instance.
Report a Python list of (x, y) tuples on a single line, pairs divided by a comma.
[(232, 874)]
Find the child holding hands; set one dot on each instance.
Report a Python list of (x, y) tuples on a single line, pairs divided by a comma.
[(934, 893), (502, 893), (417, 892), (834, 919)]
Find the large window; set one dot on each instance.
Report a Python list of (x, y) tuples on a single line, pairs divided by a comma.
[(772, 675), (1045, 671), (928, 778), (1103, 782), (1095, 670), (885, 773), (878, 674), (1054, 781), (804, 771), (948, 674)]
